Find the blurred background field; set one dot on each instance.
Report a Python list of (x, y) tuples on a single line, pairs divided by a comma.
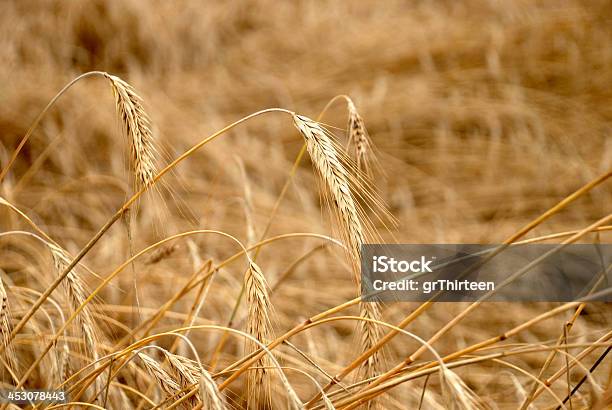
[(484, 115)]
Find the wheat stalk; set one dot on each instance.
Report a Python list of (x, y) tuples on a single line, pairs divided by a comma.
[(137, 128), (259, 326), (337, 179)]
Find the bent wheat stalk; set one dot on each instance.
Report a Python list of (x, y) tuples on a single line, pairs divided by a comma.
[(135, 122), (337, 179)]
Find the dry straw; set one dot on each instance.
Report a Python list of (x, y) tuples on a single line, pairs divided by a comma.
[(338, 181), (259, 326)]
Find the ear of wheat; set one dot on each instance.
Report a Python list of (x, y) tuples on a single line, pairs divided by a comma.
[(259, 326), (358, 136), (76, 294), (457, 394), (137, 128), (337, 180), (188, 372), (5, 326), (163, 379)]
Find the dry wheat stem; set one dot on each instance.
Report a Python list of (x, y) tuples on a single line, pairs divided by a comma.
[(105, 282), (476, 304), (374, 387), (39, 118), (140, 344), (154, 246)]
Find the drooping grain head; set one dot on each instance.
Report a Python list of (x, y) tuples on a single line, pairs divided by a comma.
[(457, 395), (188, 372), (370, 334), (258, 326), (163, 379), (358, 136), (336, 178), (76, 294), (5, 326), (160, 253), (137, 128)]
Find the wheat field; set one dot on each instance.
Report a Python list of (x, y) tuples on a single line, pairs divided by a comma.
[(185, 188)]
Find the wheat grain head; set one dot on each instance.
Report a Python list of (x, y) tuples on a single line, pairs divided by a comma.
[(259, 326), (5, 326), (76, 294), (358, 136), (457, 395), (137, 128), (188, 372), (337, 179), (163, 379)]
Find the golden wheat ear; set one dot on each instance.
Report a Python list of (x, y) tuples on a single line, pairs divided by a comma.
[(76, 293), (259, 326), (457, 395), (188, 373), (331, 167), (358, 137), (137, 128), (163, 379), (5, 327), (336, 178)]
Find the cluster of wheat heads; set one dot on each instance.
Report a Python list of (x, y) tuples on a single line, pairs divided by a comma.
[(120, 374)]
